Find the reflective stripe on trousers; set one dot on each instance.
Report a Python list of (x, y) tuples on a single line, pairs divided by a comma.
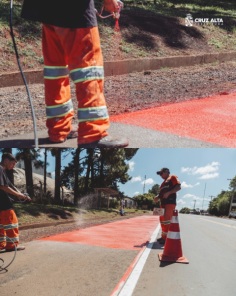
[(9, 233), (76, 52), (166, 219)]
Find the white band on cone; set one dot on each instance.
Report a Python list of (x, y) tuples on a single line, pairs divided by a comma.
[(174, 219), (173, 235)]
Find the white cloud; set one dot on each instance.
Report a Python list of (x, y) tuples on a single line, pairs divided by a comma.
[(131, 165), (209, 171), (148, 181), (136, 193), (136, 179), (185, 185), (188, 195), (181, 202), (209, 176)]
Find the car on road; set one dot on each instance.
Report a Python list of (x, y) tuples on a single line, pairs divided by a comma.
[(232, 214)]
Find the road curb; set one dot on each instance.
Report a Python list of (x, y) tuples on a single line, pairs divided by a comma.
[(70, 221), (121, 67), (39, 225)]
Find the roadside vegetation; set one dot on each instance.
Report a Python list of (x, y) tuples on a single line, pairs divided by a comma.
[(87, 186), (151, 28), (219, 205), (34, 213)]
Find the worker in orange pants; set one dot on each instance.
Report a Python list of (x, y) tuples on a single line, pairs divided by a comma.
[(71, 49), (87, 74), (9, 234), (167, 197), (165, 220)]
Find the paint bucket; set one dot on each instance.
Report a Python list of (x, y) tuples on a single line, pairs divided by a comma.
[(158, 212)]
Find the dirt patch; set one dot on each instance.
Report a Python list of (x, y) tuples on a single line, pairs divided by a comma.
[(145, 31), (158, 32), (124, 93)]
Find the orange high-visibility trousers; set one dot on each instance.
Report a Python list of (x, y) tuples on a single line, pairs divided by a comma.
[(165, 220), (9, 233), (74, 53)]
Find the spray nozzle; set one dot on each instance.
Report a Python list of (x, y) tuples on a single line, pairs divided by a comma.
[(115, 15)]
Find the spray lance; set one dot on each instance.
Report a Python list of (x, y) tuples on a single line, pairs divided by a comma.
[(23, 76), (115, 15)]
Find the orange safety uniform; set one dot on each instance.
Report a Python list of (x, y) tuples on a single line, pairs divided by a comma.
[(168, 204), (71, 49), (9, 233), (65, 54)]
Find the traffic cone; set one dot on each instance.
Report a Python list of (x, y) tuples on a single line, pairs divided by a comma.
[(173, 247)]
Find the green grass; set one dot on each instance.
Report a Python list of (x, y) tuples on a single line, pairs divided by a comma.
[(147, 30), (33, 213)]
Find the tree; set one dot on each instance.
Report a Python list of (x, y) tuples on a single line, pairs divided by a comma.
[(90, 169), (45, 171), (113, 167), (97, 168), (224, 204), (71, 174), (185, 210), (232, 184), (76, 183), (155, 189), (56, 152), (219, 206), (29, 156), (145, 200)]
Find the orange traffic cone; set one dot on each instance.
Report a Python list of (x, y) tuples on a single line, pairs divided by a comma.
[(173, 247)]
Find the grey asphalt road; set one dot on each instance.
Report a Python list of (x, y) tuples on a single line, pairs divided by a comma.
[(137, 137), (63, 268), (59, 269), (210, 246)]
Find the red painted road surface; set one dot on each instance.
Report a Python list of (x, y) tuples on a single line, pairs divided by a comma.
[(211, 119), (129, 234)]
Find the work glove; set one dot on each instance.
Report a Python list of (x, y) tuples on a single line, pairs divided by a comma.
[(110, 6)]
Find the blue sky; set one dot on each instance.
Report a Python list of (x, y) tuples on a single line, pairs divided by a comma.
[(203, 172)]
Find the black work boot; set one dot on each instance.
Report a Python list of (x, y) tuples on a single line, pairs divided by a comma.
[(106, 142)]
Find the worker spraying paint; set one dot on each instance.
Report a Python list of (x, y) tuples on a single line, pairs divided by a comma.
[(71, 49), (115, 15), (9, 232)]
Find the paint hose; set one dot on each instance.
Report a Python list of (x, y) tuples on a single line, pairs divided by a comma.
[(4, 267), (23, 76)]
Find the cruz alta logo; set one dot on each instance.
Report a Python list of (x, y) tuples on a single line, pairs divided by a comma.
[(190, 21)]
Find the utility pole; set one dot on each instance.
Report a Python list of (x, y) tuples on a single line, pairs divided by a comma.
[(203, 196), (194, 204), (144, 184), (211, 196)]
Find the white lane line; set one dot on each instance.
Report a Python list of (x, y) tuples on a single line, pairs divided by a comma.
[(132, 280), (227, 225)]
